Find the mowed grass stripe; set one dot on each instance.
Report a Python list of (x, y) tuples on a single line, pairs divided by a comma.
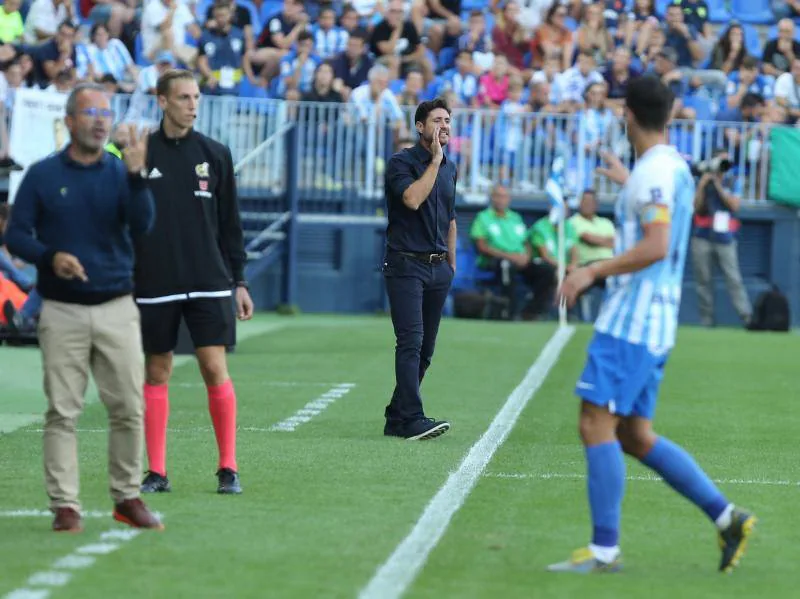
[(728, 398), (335, 493)]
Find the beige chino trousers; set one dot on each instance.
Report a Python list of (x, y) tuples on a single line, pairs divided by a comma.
[(105, 340)]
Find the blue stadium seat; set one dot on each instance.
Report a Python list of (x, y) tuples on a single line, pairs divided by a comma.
[(432, 89), (447, 59), (248, 90), (752, 11), (138, 52), (718, 11), (752, 42), (270, 8), (703, 106), (661, 7), (468, 275), (473, 5), (396, 86)]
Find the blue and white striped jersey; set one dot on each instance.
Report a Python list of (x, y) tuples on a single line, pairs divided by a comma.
[(642, 307)]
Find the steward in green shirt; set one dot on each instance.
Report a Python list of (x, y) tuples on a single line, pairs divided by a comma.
[(596, 234), (499, 233), (543, 242)]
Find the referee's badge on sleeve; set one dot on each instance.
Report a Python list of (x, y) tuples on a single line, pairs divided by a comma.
[(201, 170)]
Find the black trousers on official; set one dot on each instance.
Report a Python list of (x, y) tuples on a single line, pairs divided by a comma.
[(417, 292), (539, 277)]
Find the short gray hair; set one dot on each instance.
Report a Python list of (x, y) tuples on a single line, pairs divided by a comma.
[(376, 71), (72, 100)]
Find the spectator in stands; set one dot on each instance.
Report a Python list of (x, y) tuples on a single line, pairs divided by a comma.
[(598, 119), (656, 41), (539, 98), (749, 110), (592, 34), (15, 79), (569, 87), (11, 26), (375, 100), (413, 88), (787, 93), (729, 52), (499, 237), (397, 41), (595, 233), (348, 19), (63, 82), (785, 8), (164, 27), (620, 23), (553, 38), (781, 52), (322, 88), (543, 247), (142, 108), (368, 12), (462, 80), (682, 37), (645, 24), (510, 38), (714, 240), (551, 69), (350, 68), (14, 270), (617, 75), (665, 66), (56, 55), (747, 80), (278, 36), (240, 18), (510, 134), (493, 86), (298, 67), (478, 41), (444, 23), (329, 39), (114, 14), (44, 17), (106, 56), (695, 14), (222, 55)]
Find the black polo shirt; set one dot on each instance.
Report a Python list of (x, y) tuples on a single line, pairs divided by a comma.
[(423, 230)]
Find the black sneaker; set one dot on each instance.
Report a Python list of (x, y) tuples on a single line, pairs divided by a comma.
[(14, 320), (733, 540), (228, 482), (425, 428), (155, 483), (394, 428)]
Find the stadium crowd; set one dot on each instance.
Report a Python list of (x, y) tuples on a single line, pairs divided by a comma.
[(518, 57)]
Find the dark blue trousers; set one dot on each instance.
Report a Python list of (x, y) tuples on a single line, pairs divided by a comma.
[(417, 292)]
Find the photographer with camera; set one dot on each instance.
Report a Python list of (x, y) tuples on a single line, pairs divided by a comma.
[(714, 236)]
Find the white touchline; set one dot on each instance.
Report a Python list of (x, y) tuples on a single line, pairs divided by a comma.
[(395, 575), (40, 584), (311, 409), (639, 477)]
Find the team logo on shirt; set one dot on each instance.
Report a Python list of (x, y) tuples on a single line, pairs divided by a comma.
[(201, 170), (203, 185)]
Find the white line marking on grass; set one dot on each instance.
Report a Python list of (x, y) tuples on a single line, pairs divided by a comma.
[(646, 477), (310, 410), (61, 571), (398, 572), (47, 513)]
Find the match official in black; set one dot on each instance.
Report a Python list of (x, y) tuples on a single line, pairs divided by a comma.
[(420, 263)]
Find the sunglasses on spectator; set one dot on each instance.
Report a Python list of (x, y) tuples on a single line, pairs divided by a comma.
[(105, 113)]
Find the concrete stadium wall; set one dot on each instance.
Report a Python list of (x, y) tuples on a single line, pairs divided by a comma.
[(338, 266)]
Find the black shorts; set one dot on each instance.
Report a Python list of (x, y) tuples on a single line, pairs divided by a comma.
[(210, 322)]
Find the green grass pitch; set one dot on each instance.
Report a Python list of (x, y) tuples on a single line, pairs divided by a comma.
[(326, 504)]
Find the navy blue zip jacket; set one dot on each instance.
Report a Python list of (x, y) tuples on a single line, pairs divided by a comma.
[(90, 211)]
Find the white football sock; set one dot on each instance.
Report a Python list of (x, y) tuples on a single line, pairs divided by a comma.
[(604, 554), (725, 519)]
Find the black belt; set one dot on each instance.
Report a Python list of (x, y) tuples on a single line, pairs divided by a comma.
[(427, 258)]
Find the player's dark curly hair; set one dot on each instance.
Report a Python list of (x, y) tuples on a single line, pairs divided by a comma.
[(650, 101), (424, 109)]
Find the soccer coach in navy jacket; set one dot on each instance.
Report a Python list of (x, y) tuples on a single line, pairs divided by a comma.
[(74, 217)]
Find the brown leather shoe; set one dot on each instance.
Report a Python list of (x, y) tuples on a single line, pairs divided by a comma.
[(134, 512), (67, 520)]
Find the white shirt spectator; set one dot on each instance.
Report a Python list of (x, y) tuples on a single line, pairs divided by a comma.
[(44, 16), (142, 109), (330, 43), (364, 8), (569, 85), (114, 60), (787, 88), (155, 11), (387, 105), (513, 112)]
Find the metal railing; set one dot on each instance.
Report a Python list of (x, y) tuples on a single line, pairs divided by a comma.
[(343, 151)]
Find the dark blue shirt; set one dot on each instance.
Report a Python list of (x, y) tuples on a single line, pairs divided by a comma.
[(423, 230), (680, 44), (89, 211), (713, 203)]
